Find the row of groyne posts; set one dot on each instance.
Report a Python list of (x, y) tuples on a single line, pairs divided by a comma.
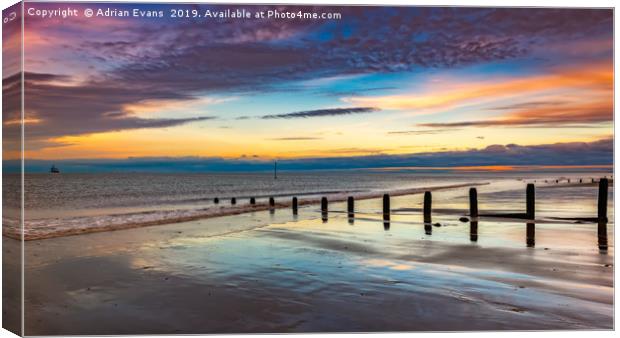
[(474, 215)]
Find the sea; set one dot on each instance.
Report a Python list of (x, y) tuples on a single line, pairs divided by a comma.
[(71, 199)]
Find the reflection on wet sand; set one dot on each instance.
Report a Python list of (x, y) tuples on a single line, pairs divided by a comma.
[(310, 271), (428, 229), (530, 234), (473, 231), (602, 236), (386, 225)]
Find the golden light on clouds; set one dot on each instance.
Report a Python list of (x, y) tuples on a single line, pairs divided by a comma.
[(591, 80)]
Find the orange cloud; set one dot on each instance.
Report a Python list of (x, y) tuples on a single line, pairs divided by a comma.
[(559, 113), (595, 78)]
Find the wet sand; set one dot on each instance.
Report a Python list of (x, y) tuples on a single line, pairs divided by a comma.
[(274, 272)]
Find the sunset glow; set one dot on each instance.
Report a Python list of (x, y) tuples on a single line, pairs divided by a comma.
[(252, 90)]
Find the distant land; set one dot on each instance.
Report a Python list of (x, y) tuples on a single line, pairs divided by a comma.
[(580, 154)]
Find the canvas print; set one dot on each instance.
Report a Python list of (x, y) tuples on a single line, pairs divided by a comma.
[(230, 168)]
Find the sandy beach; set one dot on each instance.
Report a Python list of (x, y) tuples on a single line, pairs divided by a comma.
[(276, 272)]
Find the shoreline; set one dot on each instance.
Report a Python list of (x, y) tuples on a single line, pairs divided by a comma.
[(32, 235)]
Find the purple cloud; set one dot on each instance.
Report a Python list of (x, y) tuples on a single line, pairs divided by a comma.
[(323, 112), (88, 108), (180, 60)]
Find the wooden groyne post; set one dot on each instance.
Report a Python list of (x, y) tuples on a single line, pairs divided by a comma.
[(233, 201), (530, 213), (603, 188), (252, 200), (216, 200), (428, 199), (324, 209), (351, 209), (473, 202), (272, 205), (530, 201), (386, 207), (294, 205), (473, 214), (350, 205)]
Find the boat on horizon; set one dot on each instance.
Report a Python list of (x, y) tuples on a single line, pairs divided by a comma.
[(54, 170)]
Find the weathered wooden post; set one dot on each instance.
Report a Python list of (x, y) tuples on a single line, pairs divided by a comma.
[(428, 227), (252, 200), (216, 200), (581, 180), (473, 202), (351, 209), (427, 207), (530, 203), (568, 180), (386, 207), (386, 212), (603, 187), (272, 205), (233, 201), (294, 204), (530, 235), (324, 209), (350, 205)]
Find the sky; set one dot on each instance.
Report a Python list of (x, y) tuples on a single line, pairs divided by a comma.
[(381, 83)]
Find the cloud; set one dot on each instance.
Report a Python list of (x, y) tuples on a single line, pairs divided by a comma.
[(567, 114), (530, 104), (11, 40), (323, 112), (115, 63), (355, 92), (589, 79), (260, 55), (91, 107)]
